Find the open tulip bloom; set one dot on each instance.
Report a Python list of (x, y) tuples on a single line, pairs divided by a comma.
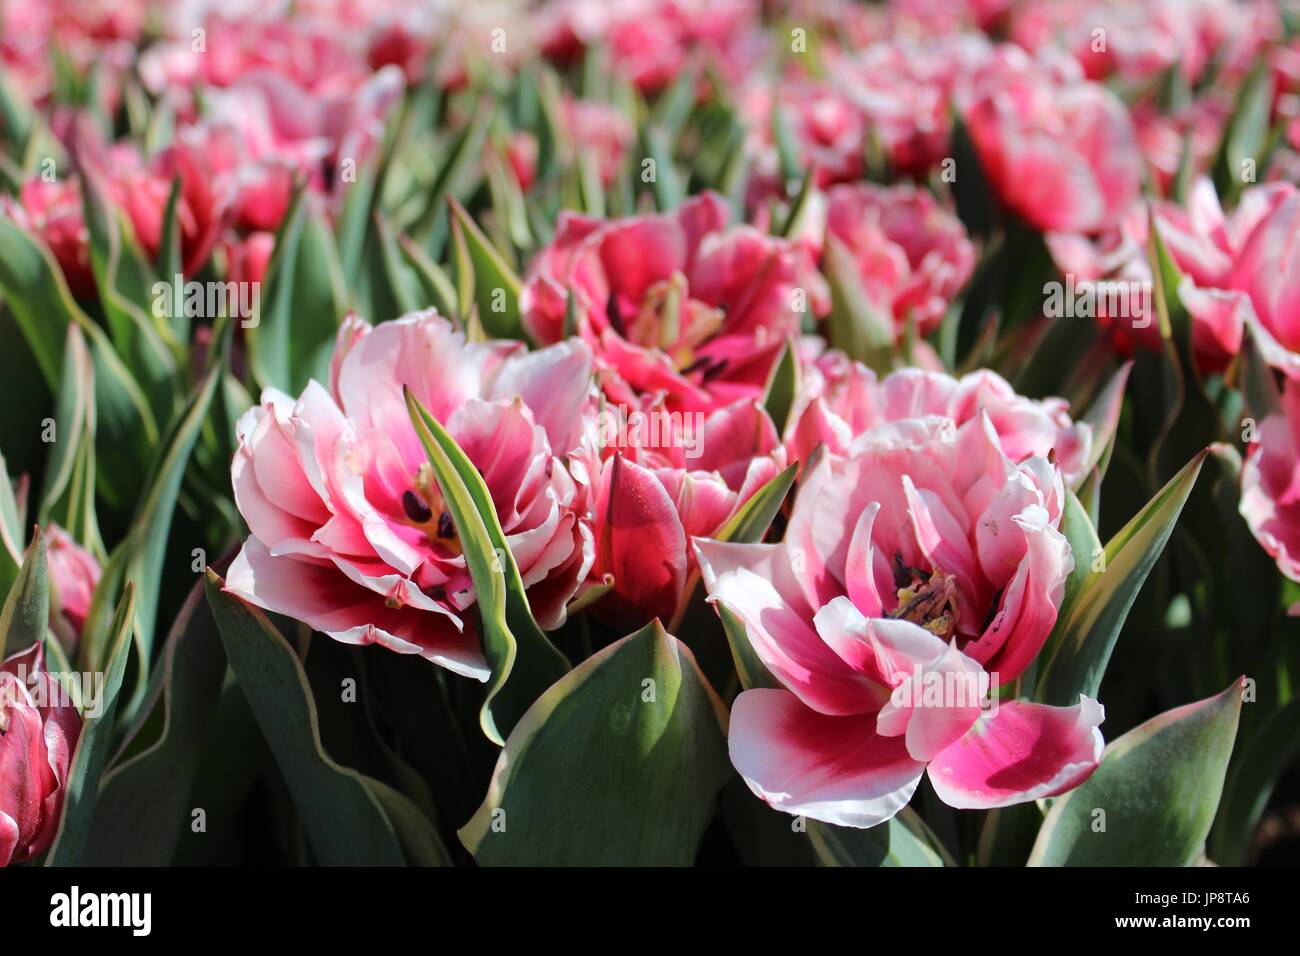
[(654, 432)]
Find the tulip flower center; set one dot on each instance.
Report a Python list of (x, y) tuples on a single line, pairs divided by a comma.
[(929, 599), (670, 320), (424, 509)]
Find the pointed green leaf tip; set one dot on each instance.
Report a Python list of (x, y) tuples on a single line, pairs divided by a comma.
[(1153, 797), (618, 763)]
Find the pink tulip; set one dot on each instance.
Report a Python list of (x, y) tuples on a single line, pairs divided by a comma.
[(1061, 154), (650, 42), (1266, 275), (827, 127), (912, 255), (141, 188), (74, 573), (1210, 249), (53, 212), (39, 727), (652, 486), (248, 258), (676, 303), (926, 552), (1137, 42), (349, 531), (840, 399), (1270, 484)]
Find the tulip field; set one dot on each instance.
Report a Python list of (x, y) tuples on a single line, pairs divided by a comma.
[(650, 433)]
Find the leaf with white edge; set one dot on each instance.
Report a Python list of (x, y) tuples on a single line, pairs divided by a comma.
[(749, 668), (1158, 787), (619, 763), (25, 617), (496, 286), (139, 558), (857, 326), (144, 797), (782, 387), (343, 812), (750, 522), (747, 526), (436, 284), (1086, 631), (299, 304), (92, 751), (1263, 758), (523, 662), (667, 182), (11, 532), (37, 295), (904, 840), (68, 498), (129, 290), (1103, 416)]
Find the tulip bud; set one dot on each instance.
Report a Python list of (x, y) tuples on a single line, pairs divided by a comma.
[(39, 727), (74, 573)]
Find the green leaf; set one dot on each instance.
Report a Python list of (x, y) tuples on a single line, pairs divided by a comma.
[(139, 558), (749, 668), (787, 148), (26, 613), (801, 208), (666, 184), (1262, 759), (496, 287), (342, 811), (747, 526), (170, 261), (1246, 137), (436, 284), (462, 155), (1103, 416), (1087, 629), (750, 523), (11, 532), (782, 387), (618, 763), (1158, 786), (857, 327), (904, 840), (92, 751), (675, 103), (37, 295), (128, 290), (523, 662), (297, 317), (144, 800), (68, 497)]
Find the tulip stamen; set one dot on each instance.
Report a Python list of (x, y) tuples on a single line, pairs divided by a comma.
[(424, 509), (930, 601)]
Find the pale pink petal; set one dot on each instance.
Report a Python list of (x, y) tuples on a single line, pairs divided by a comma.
[(1021, 752), (833, 769)]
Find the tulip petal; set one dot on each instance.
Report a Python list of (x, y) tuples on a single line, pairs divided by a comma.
[(1021, 752), (755, 582), (833, 769)]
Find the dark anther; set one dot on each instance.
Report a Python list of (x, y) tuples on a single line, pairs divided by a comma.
[(415, 509), (615, 317), (446, 529)]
